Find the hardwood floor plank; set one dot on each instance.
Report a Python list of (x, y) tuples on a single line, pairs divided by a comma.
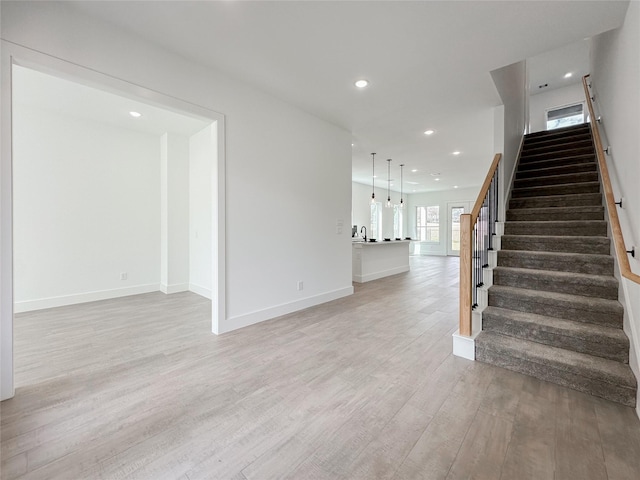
[(619, 429), (364, 387), (503, 394), (578, 444), (531, 451), (483, 450), (435, 451), (382, 457)]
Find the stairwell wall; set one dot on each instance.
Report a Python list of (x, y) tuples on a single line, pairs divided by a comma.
[(615, 76), (511, 84)]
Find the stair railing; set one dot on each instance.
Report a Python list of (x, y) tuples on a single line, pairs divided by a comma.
[(614, 220), (477, 231)]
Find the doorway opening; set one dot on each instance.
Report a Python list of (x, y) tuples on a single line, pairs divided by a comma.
[(453, 235), (126, 203)]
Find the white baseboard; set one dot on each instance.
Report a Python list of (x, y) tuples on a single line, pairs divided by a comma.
[(202, 291), (381, 274), (631, 330), (463, 346), (175, 288), (51, 302), (245, 320)]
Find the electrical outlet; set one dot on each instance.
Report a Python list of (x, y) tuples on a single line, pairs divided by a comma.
[(300, 286), (123, 275)]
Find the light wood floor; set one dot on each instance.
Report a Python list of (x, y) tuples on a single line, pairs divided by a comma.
[(361, 388)]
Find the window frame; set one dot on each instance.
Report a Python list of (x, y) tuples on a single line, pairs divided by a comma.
[(561, 107), (427, 227)]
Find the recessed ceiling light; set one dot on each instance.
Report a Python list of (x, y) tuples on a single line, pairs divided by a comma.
[(437, 179), (135, 114), (352, 144), (414, 170), (375, 176), (568, 75), (429, 132), (456, 152), (455, 186), (361, 83)]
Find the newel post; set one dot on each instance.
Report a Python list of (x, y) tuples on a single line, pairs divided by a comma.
[(465, 274)]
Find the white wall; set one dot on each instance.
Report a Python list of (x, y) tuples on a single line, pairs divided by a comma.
[(361, 206), (442, 199), (279, 161), (511, 84), (174, 213), (202, 148), (615, 76), (559, 97), (86, 209)]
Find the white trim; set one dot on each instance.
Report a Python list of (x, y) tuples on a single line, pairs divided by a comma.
[(241, 321), (52, 302), (504, 205), (585, 113), (380, 274), (6, 230), (632, 333), (202, 291), (11, 54), (174, 288), (464, 347)]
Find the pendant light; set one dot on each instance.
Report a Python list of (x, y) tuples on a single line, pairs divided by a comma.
[(401, 180), (373, 178), (389, 204)]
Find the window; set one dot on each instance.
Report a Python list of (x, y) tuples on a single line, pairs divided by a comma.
[(398, 219), (376, 220), (428, 224), (565, 116)]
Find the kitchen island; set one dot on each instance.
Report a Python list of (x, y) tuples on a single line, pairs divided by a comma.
[(373, 260)]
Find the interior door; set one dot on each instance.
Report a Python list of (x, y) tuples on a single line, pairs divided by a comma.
[(453, 219)]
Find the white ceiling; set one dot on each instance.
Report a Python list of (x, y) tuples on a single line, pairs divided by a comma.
[(36, 89), (428, 62)]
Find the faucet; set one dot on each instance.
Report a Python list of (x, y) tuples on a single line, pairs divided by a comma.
[(365, 232)]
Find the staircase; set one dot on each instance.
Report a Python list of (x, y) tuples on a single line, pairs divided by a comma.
[(553, 311)]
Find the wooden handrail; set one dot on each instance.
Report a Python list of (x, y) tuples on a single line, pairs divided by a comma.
[(467, 222), (485, 188), (614, 220)]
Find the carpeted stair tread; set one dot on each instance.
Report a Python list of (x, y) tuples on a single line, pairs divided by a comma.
[(553, 309), (554, 146), (558, 132), (562, 179), (572, 200), (569, 152), (587, 373), (557, 170), (561, 189), (556, 140), (558, 243), (600, 286), (579, 308), (585, 158), (602, 341), (558, 261), (596, 228), (583, 212)]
